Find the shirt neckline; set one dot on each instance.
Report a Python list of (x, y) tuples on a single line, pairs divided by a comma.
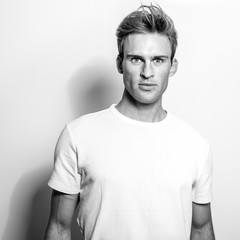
[(128, 120)]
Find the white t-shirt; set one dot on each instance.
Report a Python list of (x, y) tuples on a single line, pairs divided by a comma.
[(136, 180)]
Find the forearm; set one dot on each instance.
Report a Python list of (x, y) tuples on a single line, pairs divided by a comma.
[(62, 210), (204, 233), (56, 232)]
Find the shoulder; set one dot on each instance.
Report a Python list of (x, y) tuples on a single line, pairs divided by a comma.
[(90, 117), (89, 122), (187, 131)]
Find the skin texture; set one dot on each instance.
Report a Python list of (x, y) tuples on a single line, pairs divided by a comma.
[(202, 227), (63, 207), (146, 67)]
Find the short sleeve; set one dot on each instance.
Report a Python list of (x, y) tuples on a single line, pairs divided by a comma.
[(65, 176), (202, 191)]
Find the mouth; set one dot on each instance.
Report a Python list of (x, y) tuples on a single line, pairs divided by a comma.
[(147, 86)]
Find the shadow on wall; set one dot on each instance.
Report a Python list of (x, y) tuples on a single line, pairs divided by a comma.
[(92, 88), (30, 207)]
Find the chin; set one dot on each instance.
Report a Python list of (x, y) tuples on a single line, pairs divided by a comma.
[(147, 101), (143, 98)]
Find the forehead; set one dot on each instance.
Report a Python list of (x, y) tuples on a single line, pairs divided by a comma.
[(147, 44)]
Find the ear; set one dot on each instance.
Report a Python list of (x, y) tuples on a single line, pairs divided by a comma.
[(119, 64), (174, 67)]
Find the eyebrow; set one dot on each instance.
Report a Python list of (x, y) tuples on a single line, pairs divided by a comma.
[(141, 57)]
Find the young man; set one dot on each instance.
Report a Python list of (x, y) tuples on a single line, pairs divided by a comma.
[(142, 173)]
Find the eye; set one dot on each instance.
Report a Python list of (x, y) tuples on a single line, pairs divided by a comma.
[(158, 60), (136, 60)]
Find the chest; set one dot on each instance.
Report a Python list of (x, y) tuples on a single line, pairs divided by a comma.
[(140, 162)]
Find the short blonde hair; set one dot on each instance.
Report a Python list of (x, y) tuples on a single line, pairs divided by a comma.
[(147, 19)]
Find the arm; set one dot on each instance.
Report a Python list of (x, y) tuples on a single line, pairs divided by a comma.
[(63, 207), (202, 227)]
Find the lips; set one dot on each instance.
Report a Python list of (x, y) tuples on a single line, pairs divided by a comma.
[(147, 86)]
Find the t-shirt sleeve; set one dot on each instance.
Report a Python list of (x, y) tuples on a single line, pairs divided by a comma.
[(65, 176), (202, 191)]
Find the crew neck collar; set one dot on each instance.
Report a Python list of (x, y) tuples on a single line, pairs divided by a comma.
[(126, 119)]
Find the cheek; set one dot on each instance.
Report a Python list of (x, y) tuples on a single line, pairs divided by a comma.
[(163, 74), (130, 75)]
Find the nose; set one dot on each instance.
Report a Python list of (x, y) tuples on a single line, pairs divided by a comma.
[(147, 71)]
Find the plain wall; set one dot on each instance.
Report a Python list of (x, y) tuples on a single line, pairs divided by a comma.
[(57, 61)]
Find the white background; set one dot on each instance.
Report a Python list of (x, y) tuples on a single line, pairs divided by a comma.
[(57, 61)]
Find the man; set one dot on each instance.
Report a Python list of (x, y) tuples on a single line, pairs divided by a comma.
[(142, 173)]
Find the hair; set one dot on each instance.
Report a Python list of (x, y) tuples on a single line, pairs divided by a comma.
[(147, 19)]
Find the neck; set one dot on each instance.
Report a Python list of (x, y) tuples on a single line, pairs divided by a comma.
[(133, 109)]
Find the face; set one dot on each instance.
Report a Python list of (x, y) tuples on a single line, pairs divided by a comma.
[(146, 66)]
